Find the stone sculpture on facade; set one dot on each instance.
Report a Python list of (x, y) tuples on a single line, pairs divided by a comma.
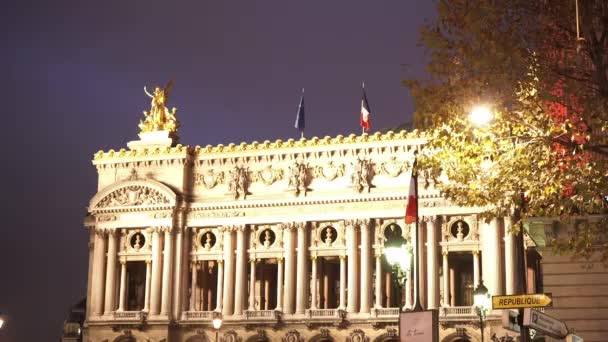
[(209, 178), (159, 118), (362, 175), (239, 182), (292, 336), (298, 178)]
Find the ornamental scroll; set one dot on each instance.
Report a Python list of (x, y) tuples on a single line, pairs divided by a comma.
[(132, 196)]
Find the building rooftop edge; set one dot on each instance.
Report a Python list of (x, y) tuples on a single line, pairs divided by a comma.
[(180, 150)]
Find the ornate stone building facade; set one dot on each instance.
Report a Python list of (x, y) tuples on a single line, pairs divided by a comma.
[(284, 238)]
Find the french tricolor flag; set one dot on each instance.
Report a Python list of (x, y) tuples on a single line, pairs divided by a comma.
[(411, 211), (364, 121)]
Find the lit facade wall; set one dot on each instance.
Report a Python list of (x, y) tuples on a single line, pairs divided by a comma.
[(285, 239)]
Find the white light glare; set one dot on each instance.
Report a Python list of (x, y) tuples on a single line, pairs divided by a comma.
[(480, 116)]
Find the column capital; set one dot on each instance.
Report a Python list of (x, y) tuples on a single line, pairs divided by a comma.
[(313, 257), (101, 232), (253, 261), (166, 229), (444, 252), (123, 262), (350, 223), (475, 252), (289, 226), (220, 262), (364, 223), (148, 261), (342, 257), (430, 219), (280, 260)]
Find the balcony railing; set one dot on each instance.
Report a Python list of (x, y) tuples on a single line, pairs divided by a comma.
[(386, 312), (319, 314), (129, 315), (262, 314), (199, 315), (457, 311)]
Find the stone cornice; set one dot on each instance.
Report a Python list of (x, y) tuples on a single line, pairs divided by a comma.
[(197, 207), (184, 153), (338, 142)]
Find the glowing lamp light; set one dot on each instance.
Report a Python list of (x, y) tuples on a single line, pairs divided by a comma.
[(399, 255), (1, 322), (481, 298), (217, 323), (480, 116)]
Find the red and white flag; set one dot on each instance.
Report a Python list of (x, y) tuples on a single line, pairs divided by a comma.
[(411, 211), (364, 120)]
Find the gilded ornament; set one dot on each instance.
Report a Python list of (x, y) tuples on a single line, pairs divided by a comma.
[(159, 118)]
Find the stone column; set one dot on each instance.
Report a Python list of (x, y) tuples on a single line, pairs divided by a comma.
[(228, 300), (408, 290), (342, 282), (185, 270), (252, 285), (491, 265), (123, 285), (241, 272), (510, 265), (193, 286), (432, 268), (313, 283), (353, 286), (177, 277), (110, 274), (91, 247), (99, 252), (220, 285), (446, 279), (289, 302), (387, 288), (366, 268), (475, 269), (148, 285), (156, 273), (301, 288), (378, 282), (452, 287), (279, 284), (167, 273)]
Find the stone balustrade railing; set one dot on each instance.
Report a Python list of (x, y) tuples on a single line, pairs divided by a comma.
[(129, 315), (200, 315), (262, 315)]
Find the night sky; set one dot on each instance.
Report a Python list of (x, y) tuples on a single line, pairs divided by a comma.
[(72, 83)]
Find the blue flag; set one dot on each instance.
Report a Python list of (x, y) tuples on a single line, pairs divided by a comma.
[(300, 117)]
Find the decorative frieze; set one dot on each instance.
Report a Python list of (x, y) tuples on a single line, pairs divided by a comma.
[(133, 196)]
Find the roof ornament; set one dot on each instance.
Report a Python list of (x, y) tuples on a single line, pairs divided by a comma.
[(159, 118)]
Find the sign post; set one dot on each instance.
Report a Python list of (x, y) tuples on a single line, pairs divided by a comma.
[(542, 322), (538, 300)]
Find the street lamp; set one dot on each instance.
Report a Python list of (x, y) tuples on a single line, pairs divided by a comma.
[(399, 256), (481, 115), (481, 298), (1, 320), (217, 323)]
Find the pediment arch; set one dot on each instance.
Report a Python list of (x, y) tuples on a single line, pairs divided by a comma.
[(133, 193)]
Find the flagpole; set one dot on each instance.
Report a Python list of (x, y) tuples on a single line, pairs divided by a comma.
[(363, 88), (418, 306)]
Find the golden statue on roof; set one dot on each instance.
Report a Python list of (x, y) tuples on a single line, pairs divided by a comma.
[(159, 118)]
